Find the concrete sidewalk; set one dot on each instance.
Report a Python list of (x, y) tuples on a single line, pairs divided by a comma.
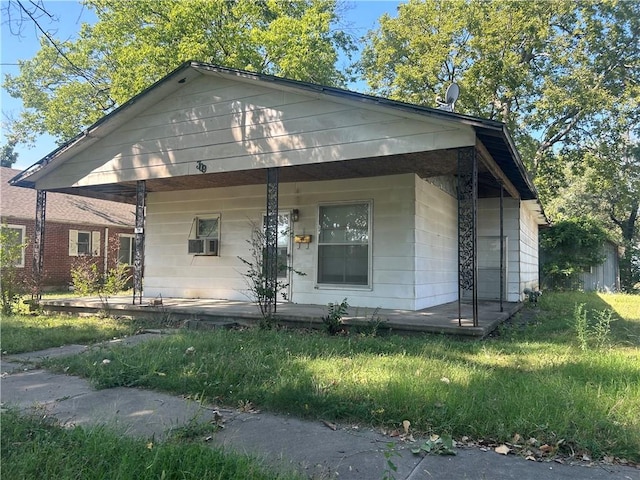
[(311, 447)]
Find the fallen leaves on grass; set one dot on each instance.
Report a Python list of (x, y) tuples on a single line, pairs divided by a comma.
[(502, 449), (406, 424), (330, 425), (436, 444), (246, 406)]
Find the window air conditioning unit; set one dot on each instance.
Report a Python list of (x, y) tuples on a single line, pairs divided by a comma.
[(203, 246)]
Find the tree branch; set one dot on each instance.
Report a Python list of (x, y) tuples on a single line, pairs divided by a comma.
[(80, 72)]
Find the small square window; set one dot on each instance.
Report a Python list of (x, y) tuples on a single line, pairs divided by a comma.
[(207, 227), (207, 236), (84, 243)]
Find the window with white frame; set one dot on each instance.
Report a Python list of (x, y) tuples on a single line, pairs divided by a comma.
[(84, 243), (207, 235), (343, 244), (126, 248), (17, 236)]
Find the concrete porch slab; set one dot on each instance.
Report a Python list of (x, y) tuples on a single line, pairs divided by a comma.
[(212, 313)]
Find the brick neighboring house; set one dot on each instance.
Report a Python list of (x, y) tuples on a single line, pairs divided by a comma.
[(74, 226)]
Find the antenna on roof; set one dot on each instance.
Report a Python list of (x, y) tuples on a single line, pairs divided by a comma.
[(450, 98)]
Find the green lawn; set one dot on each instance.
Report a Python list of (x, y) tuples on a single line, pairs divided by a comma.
[(535, 379), (29, 333), (32, 447)]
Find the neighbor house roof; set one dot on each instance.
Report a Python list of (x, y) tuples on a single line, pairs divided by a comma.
[(20, 203)]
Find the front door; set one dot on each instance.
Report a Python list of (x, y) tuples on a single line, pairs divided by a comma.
[(489, 267), (284, 254)]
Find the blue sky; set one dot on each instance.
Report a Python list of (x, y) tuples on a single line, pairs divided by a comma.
[(68, 16)]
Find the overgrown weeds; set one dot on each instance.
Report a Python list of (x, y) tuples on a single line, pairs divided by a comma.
[(333, 320), (594, 334), (88, 279), (263, 290)]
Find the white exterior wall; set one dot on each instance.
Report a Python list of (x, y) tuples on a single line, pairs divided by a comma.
[(529, 263), (171, 272), (230, 125), (436, 246), (489, 226)]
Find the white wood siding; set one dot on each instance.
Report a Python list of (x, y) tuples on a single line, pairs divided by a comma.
[(171, 272), (604, 277), (529, 268), (233, 126), (436, 246), (489, 226)]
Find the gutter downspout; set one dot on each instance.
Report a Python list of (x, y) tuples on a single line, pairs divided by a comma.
[(106, 251)]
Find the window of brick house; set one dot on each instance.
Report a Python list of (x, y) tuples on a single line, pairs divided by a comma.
[(84, 243)]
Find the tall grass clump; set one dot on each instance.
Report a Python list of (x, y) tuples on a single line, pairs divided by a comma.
[(597, 333)]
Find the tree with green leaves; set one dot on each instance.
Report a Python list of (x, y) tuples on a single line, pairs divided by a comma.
[(568, 248), (606, 187), (564, 76), (553, 68), (69, 85), (8, 155)]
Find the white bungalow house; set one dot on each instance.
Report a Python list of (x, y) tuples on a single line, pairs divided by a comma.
[(384, 203)]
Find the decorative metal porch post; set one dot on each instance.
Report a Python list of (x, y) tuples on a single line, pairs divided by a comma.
[(271, 237), (502, 247), (138, 254), (38, 243), (467, 229)]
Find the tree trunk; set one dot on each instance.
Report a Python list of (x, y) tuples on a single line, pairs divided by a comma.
[(629, 267)]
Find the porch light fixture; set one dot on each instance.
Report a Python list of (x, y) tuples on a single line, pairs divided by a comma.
[(295, 214)]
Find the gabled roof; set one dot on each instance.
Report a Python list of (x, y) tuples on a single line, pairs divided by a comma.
[(492, 134), (20, 203)]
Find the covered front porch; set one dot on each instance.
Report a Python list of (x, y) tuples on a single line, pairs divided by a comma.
[(205, 142), (208, 313)]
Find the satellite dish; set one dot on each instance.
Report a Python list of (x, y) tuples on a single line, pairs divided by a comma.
[(452, 94), (450, 98)]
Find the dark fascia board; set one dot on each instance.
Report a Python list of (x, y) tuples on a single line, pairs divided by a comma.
[(518, 161), (479, 124)]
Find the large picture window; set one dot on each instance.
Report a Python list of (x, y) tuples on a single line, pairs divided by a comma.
[(343, 244)]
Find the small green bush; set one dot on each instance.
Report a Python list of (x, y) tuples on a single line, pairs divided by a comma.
[(333, 320), (11, 285), (88, 280)]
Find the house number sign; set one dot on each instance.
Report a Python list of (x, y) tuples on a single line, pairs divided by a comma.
[(201, 166)]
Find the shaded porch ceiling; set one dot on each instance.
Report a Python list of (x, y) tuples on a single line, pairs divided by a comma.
[(424, 164)]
